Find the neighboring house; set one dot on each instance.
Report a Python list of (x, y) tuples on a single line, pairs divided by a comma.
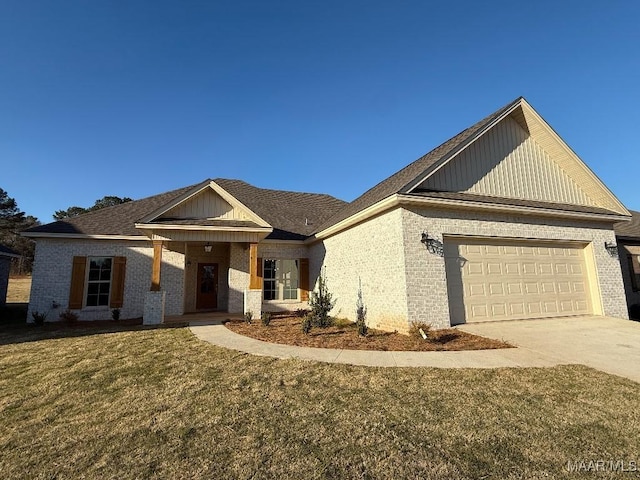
[(6, 254), (628, 237), (503, 221)]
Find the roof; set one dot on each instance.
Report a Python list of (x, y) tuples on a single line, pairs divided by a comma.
[(7, 252), (114, 220), (630, 229), (293, 215), (399, 180), (471, 197)]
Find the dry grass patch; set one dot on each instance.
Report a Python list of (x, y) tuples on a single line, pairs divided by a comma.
[(157, 403), (19, 289), (344, 335)]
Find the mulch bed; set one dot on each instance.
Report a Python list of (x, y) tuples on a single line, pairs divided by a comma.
[(288, 330)]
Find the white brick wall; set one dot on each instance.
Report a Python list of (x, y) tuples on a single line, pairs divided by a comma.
[(426, 281), (52, 276), (371, 253)]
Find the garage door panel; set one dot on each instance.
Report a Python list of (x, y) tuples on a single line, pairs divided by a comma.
[(515, 280)]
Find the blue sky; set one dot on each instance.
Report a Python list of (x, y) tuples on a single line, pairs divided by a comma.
[(134, 98)]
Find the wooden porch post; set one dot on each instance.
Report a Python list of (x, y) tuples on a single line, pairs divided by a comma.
[(254, 279), (157, 261)]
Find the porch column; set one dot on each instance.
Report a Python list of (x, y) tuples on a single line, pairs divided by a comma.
[(154, 298), (157, 262), (253, 296)]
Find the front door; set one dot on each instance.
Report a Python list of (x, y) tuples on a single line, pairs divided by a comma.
[(207, 296)]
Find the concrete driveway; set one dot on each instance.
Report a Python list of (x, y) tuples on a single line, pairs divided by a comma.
[(608, 344)]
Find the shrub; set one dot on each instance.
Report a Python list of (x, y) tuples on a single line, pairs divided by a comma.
[(415, 327), (361, 315), (68, 316), (321, 303), (266, 318), (301, 312), (38, 318), (307, 323), (248, 317), (634, 311), (115, 314)]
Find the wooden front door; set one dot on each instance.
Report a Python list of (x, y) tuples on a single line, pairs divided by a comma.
[(207, 293)]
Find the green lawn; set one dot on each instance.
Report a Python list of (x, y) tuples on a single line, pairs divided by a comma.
[(160, 404)]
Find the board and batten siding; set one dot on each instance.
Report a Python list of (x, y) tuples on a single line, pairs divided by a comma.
[(507, 162), (206, 204)]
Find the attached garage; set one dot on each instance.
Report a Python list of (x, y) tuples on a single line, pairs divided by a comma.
[(496, 279)]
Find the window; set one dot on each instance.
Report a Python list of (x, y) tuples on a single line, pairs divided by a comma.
[(634, 271), (99, 281), (280, 279)]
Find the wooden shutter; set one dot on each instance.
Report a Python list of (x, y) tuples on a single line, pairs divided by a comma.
[(76, 293), (117, 282), (304, 279)]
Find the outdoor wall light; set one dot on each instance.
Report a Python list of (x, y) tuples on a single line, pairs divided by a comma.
[(611, 248), (208, 247), (433, 245)]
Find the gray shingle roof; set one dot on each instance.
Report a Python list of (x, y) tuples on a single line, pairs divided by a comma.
[(115, 220), (629, 229), (399, 180), (293, 215)]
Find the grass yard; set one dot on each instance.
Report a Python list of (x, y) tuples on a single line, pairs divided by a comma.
[(19, 289), (135, 403)]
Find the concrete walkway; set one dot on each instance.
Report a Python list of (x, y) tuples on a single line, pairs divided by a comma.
[(214, 332)]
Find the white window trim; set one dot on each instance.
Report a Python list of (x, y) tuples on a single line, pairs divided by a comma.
[(86, 284), (280, 300)]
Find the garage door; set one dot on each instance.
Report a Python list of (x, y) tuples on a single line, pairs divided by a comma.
[(508, 280)]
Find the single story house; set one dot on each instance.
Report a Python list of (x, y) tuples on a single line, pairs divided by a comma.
[(6, 254), (502, 221), (628, 237)]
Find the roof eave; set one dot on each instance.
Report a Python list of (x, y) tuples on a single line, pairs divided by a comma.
[(516, 209)]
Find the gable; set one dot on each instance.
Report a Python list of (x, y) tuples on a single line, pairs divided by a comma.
[(520, 157), (508, 162), (207, 204)]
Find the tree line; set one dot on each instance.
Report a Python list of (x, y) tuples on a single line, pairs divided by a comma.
[(13, 221)]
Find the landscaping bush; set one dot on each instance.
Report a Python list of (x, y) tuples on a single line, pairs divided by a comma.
[(38, 318), (361, 316), (68, 316), (248, 317), (115, 314), (266, 318), (301, 312), (321, 303), (415, 327)]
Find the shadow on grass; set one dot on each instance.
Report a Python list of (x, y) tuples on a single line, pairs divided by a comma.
[(14, 329)]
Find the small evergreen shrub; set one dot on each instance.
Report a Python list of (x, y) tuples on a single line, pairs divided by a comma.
[(321, 303), (38, 318), (301, 312), (361, 316), (68, 316), (115, 314), (307, 323), (248, 317), (266, 318)]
